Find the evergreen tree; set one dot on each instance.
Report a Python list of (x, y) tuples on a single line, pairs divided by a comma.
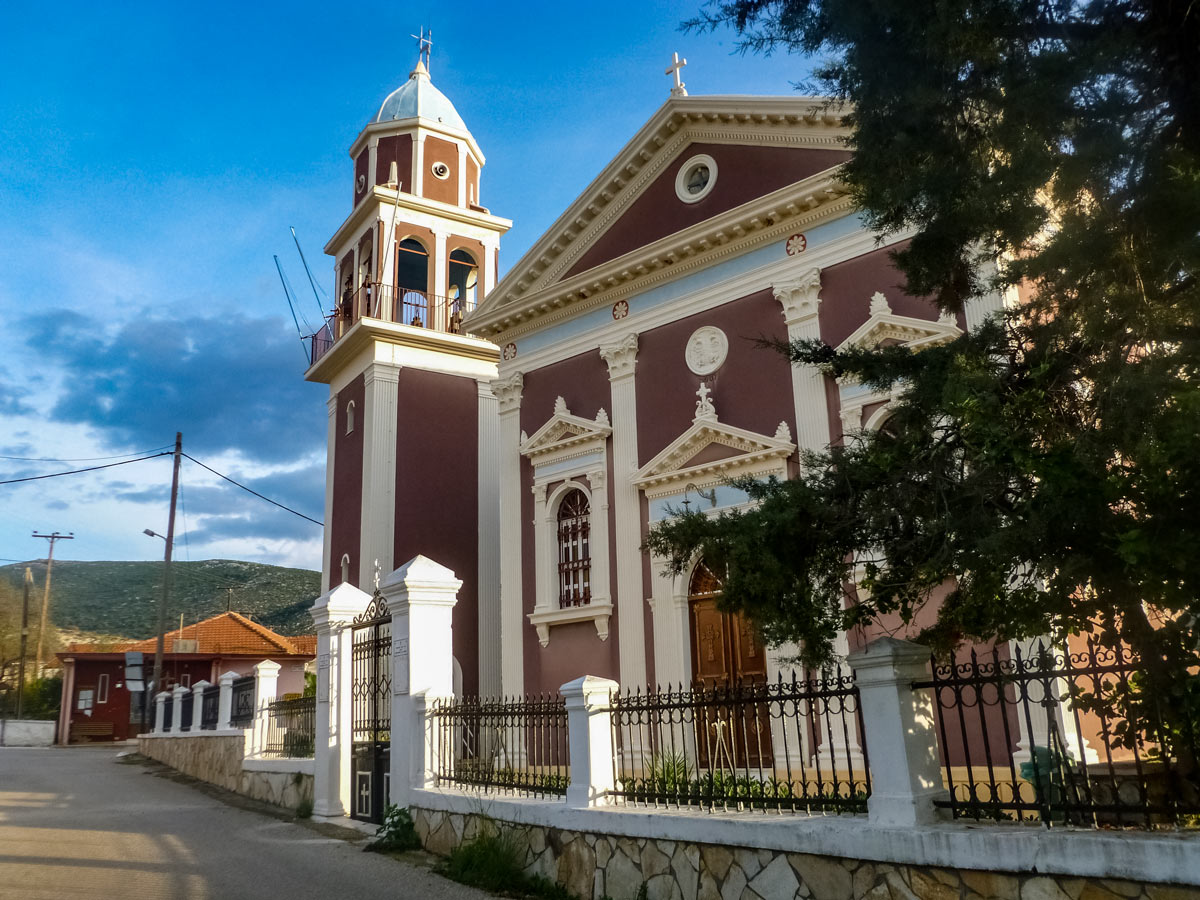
[(1044, 469)]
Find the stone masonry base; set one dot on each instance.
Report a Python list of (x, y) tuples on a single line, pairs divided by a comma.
[(218, 758), (596, 866)]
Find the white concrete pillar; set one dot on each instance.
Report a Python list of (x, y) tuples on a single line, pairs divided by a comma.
[(627, 511), (198, 703), (328, 565), (487, 590), (589, 728), (378, 520), (332, 613), (512, 631), (906, 772), (160, 708), (177, 695), (801, 300), (421, 596), (225, 703), (266, 682)]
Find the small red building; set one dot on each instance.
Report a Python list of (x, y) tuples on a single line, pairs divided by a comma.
[(98, 706)]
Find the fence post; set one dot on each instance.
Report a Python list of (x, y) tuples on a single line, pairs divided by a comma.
[(177, 694), (420, 595), (589, 735), (266, 683), (906, 772), (198, 703), (332, 614), (225, 703), (160, 705)]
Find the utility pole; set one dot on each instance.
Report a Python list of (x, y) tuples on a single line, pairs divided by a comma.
[(24, 641), (229, 599), (166, 592), (69, 536)]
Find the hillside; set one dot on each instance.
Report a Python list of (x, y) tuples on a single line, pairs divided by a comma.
[(121, 597)]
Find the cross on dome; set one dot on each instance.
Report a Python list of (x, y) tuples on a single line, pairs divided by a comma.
[(424, 46), (680, 89)]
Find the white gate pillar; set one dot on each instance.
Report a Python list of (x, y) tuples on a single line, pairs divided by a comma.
[(421, 596), (160, 706), (332, 613), (198, 704), (225, 702), (177, 695)]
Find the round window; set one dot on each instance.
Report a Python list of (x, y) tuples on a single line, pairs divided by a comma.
[(696, 178), (440, 170)]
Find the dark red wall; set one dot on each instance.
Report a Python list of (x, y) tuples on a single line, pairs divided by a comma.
[(395, 148), (752, 389), (574, 649), (346, 523), (437, 502), (743, 173), (438, 150)]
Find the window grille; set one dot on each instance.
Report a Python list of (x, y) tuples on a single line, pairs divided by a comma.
[(574, 550)]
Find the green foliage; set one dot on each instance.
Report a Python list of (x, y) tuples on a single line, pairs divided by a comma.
[(120, 598), (397, 833), (304, 809), (1040, 472), (493, 862), (41, 701), (310, 684)]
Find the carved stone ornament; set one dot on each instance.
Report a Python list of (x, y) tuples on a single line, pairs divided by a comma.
[(510, 351), (508, 392), (800, 297), (879, 304), (706, 350), (620, 309), (621, 356)]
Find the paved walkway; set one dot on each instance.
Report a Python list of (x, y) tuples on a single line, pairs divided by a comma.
[(74, 822)]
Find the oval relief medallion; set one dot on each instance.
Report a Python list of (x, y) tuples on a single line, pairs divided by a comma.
[(706, 350)]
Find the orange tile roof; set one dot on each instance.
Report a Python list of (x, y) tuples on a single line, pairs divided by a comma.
[(228, 632)]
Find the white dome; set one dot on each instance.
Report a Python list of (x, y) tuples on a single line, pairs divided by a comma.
[(418, 97)]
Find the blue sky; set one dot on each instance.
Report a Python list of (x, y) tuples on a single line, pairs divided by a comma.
[(152, 157)]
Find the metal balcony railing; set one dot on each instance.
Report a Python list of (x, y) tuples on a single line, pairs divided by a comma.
[(388, 303)]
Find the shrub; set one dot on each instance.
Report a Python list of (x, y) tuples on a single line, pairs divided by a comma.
[(397, 833)]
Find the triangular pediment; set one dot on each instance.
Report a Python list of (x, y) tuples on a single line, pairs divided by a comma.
[(885, 327), (711, 449), (780, 153), (565, 433)]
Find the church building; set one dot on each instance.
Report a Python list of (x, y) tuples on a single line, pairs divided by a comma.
[(526, 432)]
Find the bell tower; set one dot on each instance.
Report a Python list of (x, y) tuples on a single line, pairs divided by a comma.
[(412, 419)]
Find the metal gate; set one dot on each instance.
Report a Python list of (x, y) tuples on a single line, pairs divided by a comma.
[(371, 711)]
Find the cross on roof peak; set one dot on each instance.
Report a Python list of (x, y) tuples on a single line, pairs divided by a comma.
[(680, 89), (424, 46)]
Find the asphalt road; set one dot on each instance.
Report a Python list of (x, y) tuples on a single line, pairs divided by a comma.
[(74, 822)]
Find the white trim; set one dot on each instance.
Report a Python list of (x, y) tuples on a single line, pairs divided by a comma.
[(283, 766), (681, 188)]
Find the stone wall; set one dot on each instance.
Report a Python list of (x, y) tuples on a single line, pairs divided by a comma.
[(219, 758), (595, 866), (27, 732)]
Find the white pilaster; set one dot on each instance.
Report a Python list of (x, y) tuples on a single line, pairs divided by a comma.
[(801, 300), (672, 662), (328, 565), (440, 266), (177, 695), (487, 589), (380, 397), (198, 703), (225, 703), (512, 632), (589, 726), (627, 517), (906, 773), (332, 614), (421, 596)]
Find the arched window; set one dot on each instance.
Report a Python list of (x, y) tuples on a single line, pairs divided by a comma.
[(412, 283), (460, 283), (350, 417), (574, 550)]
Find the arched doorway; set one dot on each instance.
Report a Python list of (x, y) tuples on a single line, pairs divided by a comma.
[(724, 646), (729, 672)]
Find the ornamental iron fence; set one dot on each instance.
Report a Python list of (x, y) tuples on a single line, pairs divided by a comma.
[(1039, 737), (291, 728), (168, 713), (516, 746), (210, 705), (186, 707), (787, 745), (243, 702)]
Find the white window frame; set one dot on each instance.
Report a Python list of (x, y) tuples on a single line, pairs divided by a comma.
[(102, 688)]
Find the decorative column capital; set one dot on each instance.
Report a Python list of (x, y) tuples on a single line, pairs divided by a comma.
[(381, 372), (800, 296), (332, 404), (621, 356), (508, 392)]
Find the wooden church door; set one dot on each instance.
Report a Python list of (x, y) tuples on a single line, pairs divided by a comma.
[(726, 654)]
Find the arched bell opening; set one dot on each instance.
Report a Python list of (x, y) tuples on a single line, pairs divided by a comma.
[(461, 282), (412, 283)]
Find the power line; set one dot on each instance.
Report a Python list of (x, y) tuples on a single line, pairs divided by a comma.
[(251, 491), (90, 469), (85, 458)]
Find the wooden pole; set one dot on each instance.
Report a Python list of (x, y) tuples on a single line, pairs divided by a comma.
[(46, 594), (24, 641)]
